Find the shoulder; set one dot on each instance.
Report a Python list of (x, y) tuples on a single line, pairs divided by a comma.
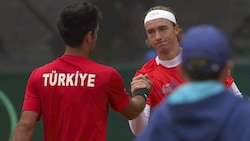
[(158, 127), (243, 106), (240, 106), (160, 114), (239, 119), (105, 70), (147, 67)]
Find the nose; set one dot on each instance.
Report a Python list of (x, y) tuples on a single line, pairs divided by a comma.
[(158, 35)]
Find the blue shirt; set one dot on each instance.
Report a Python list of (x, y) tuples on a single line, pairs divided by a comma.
[(199, 111)]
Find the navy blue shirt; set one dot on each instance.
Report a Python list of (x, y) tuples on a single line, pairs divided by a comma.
[(201, 111)]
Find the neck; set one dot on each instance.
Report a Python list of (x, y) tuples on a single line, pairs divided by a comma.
[(77, 51), (170, 54)]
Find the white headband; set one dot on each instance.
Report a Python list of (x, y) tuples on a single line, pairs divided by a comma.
[(156, 14)]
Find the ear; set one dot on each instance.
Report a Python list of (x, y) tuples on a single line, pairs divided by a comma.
[(225, 71), (177, 29), (88, 37)]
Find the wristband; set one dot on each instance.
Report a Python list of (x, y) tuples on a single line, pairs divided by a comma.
[(144, 92)]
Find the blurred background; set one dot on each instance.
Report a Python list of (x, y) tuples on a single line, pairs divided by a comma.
[(29, 36), (29, 39)]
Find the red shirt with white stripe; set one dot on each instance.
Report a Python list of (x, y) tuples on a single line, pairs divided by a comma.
[(166, 78)]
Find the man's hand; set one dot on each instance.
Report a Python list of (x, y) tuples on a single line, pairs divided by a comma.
[(140, 81)]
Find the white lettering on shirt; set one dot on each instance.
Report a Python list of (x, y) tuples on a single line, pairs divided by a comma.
[(69, 79)]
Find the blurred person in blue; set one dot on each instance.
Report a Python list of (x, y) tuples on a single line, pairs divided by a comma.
[(203, 108), (150, 54)]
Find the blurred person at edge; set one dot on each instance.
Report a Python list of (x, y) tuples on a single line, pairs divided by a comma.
[(72, 94), (164, 35), (202, 109)]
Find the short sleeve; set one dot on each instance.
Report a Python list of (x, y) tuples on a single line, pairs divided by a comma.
[(118, 96), (31, 99)]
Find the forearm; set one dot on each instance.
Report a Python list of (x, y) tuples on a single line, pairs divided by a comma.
[(136, 125), (140, 88), (22, 133), (136, 104), (134, 107)]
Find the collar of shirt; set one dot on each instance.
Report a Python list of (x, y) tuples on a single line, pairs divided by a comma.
[(170, 63)]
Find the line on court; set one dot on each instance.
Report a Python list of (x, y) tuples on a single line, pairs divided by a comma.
[(11, 111)]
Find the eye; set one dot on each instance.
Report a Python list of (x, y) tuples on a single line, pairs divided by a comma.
[(163, 28), (150, 32)]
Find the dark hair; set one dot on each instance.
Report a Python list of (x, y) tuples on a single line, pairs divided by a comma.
[(196, 69), (76, 20)]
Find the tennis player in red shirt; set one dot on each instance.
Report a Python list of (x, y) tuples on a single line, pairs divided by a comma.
[(72, 94), (164, 34)]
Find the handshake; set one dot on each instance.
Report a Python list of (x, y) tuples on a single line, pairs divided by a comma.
[(141, 86)]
